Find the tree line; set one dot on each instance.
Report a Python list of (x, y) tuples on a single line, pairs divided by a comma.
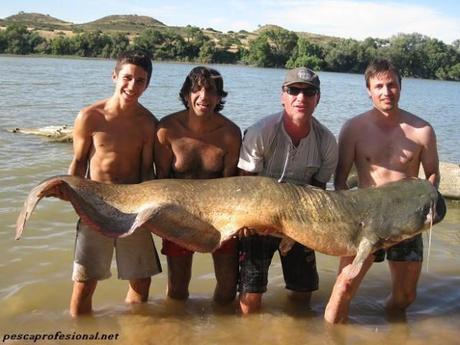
[(415, 55)]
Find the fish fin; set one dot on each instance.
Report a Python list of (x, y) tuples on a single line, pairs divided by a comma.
[(44, 189), (174, 223), (365, 248), (93, 211)]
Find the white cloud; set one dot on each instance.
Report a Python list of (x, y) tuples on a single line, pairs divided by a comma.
[(363, 19)]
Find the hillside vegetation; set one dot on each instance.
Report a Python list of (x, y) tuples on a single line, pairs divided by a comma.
[(269, 46)]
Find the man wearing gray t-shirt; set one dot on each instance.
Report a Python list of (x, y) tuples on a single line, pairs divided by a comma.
[(291, 146)]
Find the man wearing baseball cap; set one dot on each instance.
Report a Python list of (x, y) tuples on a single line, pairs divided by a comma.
[(291, 146)]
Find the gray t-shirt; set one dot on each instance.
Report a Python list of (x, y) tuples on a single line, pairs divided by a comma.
[(268, 150)]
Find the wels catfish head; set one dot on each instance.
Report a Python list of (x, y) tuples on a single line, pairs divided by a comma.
[(415, 206)]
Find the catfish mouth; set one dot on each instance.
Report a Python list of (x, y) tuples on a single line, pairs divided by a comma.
[(436, 212)]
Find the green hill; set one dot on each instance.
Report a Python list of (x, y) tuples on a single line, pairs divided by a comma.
[(133, 24), (37, 21), (124, 23)]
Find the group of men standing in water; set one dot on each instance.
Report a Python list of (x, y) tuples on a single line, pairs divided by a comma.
[(117, 140)]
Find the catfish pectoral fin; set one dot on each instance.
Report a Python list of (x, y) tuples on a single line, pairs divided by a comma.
[(174, 223), (365, 248)]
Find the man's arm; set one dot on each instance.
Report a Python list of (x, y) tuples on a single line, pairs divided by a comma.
[(163, 153), (429, 157), (147, 152), (346, 156), (233, 154), (82, 142), (329, 158)]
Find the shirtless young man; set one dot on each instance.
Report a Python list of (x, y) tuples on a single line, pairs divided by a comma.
[(199, 143), (386, 144), (113, 143)]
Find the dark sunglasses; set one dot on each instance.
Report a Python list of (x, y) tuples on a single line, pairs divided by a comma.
[(294, 91)]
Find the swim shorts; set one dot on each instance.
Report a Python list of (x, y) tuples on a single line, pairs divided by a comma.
[(136, 255), (407, 250), (256, 253), (171, 249)]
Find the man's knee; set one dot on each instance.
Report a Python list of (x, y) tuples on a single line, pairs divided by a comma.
[(224, 295), (138, 291), (344, 287), (226, 271), (81, 300), (404, 299), (179, 276), (84, 289), (141, 286)]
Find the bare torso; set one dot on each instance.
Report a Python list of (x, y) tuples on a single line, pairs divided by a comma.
[(390, 149), (117, 144), (207, 151)]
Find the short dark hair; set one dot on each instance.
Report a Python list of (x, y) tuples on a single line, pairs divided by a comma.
[(135, 57), (202, 76), (378, 66)]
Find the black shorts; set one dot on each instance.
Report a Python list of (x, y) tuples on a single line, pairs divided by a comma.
[(256, 253), (408, 250)]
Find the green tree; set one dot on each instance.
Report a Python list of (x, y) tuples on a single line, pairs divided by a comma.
[(454, 72), (20, 40), (115, 45), (282, 43), (405, 52), (272, 48), (90, 44), (439, 57), (61, 45), (174, 47), (194, 35), (259, 53), (207, 52), (3, 41), (307, 54), (149, 40), (344, 56)]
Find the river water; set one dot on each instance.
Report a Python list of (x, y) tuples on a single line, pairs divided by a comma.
[(35, 272)]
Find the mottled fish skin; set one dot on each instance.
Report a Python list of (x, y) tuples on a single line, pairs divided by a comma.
[(201, 214)]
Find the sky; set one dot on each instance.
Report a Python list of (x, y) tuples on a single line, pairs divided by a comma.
[(356, 19)]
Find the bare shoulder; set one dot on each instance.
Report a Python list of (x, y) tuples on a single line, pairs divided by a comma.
[(418, 129), (168, 127), (147, 118), (171, 121), (356, 123), (413, 120), (229, 126), (91, 114), (147, 114)]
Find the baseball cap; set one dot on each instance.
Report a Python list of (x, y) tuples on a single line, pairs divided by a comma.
[(302, 75)]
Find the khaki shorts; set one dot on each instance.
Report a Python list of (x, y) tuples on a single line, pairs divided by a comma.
[(136, 255)]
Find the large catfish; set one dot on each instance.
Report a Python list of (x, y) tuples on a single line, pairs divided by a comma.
[(201, 214)]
